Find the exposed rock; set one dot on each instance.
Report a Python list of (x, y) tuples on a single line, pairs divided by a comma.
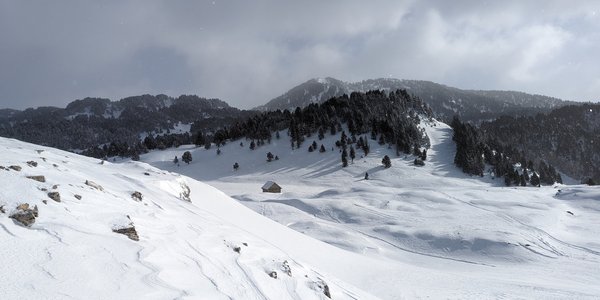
[(78, 197), (39, 178), (285, 267), (16, 168), (146, 173), (43, 189), (2, 168), (55, 186), (39, 151), (137, 196), (273, 274), (24, 215), (32, 163), (326, 291), (55, 165), (185, 192), (570, 212), (45, 201), (245, 244), (54, 196), (94, 185), (2, 209), (130, 232), (237, 249)]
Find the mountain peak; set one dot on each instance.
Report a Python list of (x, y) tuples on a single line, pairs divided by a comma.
[(445, 101)]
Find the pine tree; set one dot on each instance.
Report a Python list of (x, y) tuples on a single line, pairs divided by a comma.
[(176, 160), (352, 153), (186, 157), (535, 179), (344, 158), (322, 149), (523, 182), (321, 133), (252, 145), (269, 156), (386, 162), (236, 166), (199, 140)]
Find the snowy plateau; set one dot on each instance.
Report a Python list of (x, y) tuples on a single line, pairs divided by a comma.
[(206, 231)]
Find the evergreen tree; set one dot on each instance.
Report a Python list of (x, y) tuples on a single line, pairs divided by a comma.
[(344, 158), (269, 156), (176, 160), (424, 155), (352, 153), (535, 179), (236, 166), (322, 149), (252, 145), (199, 140), (321, 133), (386, 162), (186, 157)]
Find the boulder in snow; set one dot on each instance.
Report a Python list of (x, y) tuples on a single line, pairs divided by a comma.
[(54, 196), (32, 163), (39, 178), (273, 274), (94, 185), (78, 197), (25, 215), (16, 168), (130, 232), (137, 196)]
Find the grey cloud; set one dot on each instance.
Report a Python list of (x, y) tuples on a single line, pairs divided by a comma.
[(246, 52)]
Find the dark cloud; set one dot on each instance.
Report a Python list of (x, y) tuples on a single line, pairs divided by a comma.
[(246, 52)]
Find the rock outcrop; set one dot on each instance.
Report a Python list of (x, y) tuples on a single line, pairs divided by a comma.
[(39, 178), (130, 232), (54, 196), (25, 215)]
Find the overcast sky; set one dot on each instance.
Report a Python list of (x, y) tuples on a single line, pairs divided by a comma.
[(247, 52)]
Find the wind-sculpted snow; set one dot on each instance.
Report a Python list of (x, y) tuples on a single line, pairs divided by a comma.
[(427, 232), (209, 248)]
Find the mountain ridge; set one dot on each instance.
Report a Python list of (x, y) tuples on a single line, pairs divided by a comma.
[(446, 101)]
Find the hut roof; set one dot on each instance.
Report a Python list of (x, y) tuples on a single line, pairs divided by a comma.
[(269, 184)]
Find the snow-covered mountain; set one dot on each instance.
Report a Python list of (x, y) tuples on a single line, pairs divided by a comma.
[(93, 122), (429, 232), (140, 230), (445, 101), (75, 228)]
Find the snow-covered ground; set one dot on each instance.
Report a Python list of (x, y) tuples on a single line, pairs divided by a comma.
[(209, 248), (415, 232)]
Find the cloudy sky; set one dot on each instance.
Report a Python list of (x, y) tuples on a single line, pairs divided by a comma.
[(247, 52)]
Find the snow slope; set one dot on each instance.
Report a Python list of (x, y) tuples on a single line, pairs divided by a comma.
[(209, 248), (418, 232)]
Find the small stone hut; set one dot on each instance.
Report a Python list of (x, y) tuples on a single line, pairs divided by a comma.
[(271, 187)]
